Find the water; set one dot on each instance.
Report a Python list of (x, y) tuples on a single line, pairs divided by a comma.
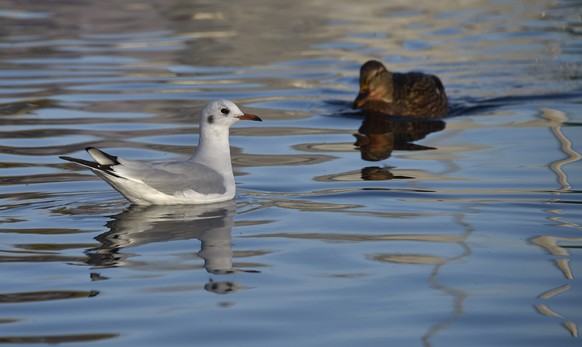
[(453, 233)]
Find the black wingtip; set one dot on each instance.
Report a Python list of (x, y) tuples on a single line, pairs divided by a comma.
[(91, 165)]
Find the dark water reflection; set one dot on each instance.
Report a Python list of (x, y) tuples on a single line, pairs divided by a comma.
[(52, 339), (421, 233), (379, 136)]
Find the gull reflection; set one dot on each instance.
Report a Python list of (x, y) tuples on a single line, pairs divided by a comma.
[(379, 135), (211, 224)]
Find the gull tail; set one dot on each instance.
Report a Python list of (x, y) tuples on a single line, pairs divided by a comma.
[(103, 161)]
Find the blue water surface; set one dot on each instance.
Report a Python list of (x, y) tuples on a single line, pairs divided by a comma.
[(460, 232)]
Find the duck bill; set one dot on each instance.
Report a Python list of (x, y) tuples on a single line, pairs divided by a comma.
[(248, 116), (360, 100)]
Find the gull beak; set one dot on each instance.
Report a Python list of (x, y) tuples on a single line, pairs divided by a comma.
[(248, 116)]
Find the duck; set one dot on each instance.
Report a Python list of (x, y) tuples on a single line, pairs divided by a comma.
[(410, 94)]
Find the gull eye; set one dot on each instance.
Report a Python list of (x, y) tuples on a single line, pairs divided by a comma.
[(225, 110)]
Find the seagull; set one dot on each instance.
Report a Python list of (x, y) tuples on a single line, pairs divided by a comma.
[(205, 178), (411, 94)]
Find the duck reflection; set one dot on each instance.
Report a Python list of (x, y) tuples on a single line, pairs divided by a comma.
[(379, 135), (139, 225)]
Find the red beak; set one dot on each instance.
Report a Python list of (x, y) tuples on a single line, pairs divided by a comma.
[(248, 116)]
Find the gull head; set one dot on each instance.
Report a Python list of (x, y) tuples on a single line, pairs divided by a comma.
[(224, 113)]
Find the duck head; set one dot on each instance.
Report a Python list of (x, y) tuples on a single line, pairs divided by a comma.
[(375, 84)]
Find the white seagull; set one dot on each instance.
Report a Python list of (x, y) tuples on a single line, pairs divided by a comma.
[(206, 177)]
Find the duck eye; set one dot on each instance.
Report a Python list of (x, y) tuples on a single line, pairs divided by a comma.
[(225, 110)]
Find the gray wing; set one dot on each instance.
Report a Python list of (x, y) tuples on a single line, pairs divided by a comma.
[(171, 177)]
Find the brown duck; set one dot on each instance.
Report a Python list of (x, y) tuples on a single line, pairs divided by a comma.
[(412, 94)]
